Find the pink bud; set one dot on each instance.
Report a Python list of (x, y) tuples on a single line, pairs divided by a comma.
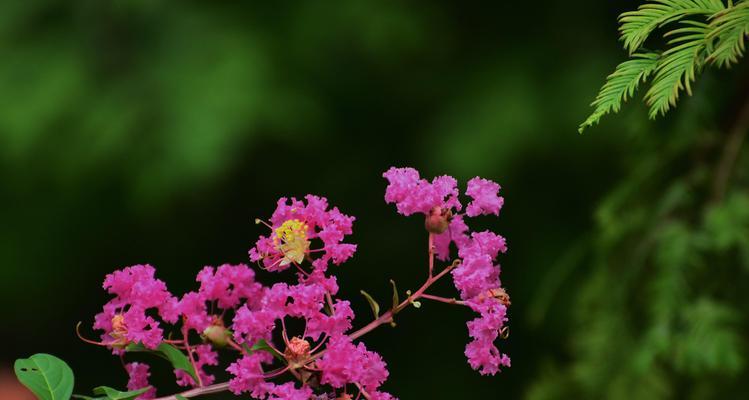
[(437, 220)]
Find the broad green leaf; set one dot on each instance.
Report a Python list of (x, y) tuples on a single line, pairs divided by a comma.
[(180, 397), (172, 354), (48, 377), (372, 304)]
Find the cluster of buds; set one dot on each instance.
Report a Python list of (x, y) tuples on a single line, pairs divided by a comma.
[(324, 358)]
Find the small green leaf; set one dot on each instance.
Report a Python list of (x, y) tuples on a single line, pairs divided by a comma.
[(114, 394), (177, 358), (262, 345), (416, 304), (372, 304), (48, 377), (180, 397), (396, 300)]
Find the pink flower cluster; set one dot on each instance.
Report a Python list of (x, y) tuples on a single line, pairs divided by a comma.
[(124, 318), (295, 341), (477, 275)]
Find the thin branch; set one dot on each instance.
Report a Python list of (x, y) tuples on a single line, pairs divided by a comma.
[(730, 154)]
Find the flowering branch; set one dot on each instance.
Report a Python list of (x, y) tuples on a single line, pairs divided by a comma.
[(388, 316), (322, 359)]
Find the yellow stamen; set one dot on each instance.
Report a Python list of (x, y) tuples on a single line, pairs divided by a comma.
[(291, 239)]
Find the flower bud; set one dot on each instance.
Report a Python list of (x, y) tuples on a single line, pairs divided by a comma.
[(501, 295), (217, 334), (437, 220), (297, 351), (119, 332)]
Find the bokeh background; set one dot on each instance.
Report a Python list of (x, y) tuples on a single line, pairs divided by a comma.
[(156, 132)]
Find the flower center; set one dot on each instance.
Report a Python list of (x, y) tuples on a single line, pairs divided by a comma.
[(501, 295), (297, 352), (291, 240), (119, 331)]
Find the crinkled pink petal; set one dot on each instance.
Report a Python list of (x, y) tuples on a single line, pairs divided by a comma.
[(138, 374), (485, 197)]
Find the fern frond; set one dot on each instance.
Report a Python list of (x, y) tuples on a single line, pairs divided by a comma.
[(729, 28), (637, 25), (678, 66), (621, 85)]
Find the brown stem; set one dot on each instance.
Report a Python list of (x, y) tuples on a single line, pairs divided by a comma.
[(185, 333), (730, 154), (388, 316), (201, 391), (431, 254), (442, 299)]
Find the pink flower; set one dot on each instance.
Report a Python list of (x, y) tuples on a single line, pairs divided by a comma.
[(288, 391), (124, 319), (137, 286), (192, 307), (477, 275), (456, 233), (253, 325), (411, 194), (481, 352), (295, 225), (332, 325), (344, 362), (138, 379), (204, 355), (248, 374), (228, 284), (223, 288), (485, 199)]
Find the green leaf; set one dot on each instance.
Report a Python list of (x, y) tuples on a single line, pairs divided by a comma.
[(678, 66), (180, 397), (114, 394), (416, 304), (637, 25), (177, 358), (621, 85), (729, 28), (262, 345), (48, 377), (372, 304), (396, 300)]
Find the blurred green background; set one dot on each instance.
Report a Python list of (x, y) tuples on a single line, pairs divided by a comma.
[(156, 132)]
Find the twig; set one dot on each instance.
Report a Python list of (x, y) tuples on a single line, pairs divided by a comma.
[(730, 154)]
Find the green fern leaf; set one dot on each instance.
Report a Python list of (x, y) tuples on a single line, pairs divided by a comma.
[(730, 28), (637, 25), (621, 85), (678, 66)]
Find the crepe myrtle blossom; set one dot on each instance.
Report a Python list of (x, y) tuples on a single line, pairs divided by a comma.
[(477, 275), (296, 340)]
